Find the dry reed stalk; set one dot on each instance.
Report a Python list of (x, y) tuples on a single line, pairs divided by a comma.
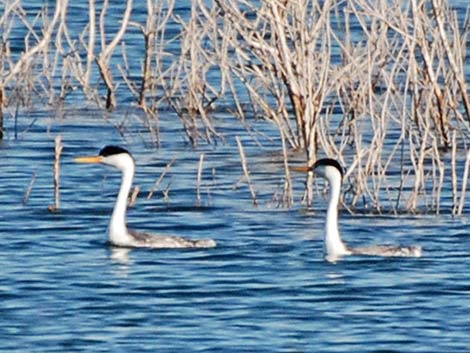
[(159, 180), (287, 195), (464, 184), (1, 112), (29, 189), (149, 38), (133, 196), (57, 153), (166, 193), (405, 44), (158, 17), (277, 54), (440, 182), (270, 45), (453, 166), (246, 172), (191, 72), (90, 48), (107, 51), (401, 67), (152, 124), (418, 162), (199, 179), (41, 46), (439, 8)]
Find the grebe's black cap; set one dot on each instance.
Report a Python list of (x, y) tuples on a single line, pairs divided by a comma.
[(328, 162), (112, 150)]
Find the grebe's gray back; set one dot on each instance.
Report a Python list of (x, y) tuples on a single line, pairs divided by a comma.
[(118, 233)]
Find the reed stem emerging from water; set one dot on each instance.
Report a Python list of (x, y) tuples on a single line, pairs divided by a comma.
[(57, 153), (246, 171)]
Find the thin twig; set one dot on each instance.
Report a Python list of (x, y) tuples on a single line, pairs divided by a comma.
[(159, 180)]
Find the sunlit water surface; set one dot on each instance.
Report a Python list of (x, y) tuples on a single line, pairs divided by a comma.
[(265, 288)]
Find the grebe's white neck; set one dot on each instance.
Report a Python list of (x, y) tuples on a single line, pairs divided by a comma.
[(334, 246), (117, 231), (331, 170)]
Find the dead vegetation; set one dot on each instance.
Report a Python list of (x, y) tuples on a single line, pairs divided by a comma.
[(379, 85)]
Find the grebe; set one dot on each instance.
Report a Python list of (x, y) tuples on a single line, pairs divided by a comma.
[(334, 246), (119, 235)]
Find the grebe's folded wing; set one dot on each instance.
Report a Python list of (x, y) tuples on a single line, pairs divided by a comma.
[(166, 241), (388, 250)]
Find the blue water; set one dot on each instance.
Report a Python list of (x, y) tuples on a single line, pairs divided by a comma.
[(265, 288)]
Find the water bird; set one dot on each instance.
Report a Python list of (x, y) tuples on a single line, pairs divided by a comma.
[(119, 234), (334, 247)]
